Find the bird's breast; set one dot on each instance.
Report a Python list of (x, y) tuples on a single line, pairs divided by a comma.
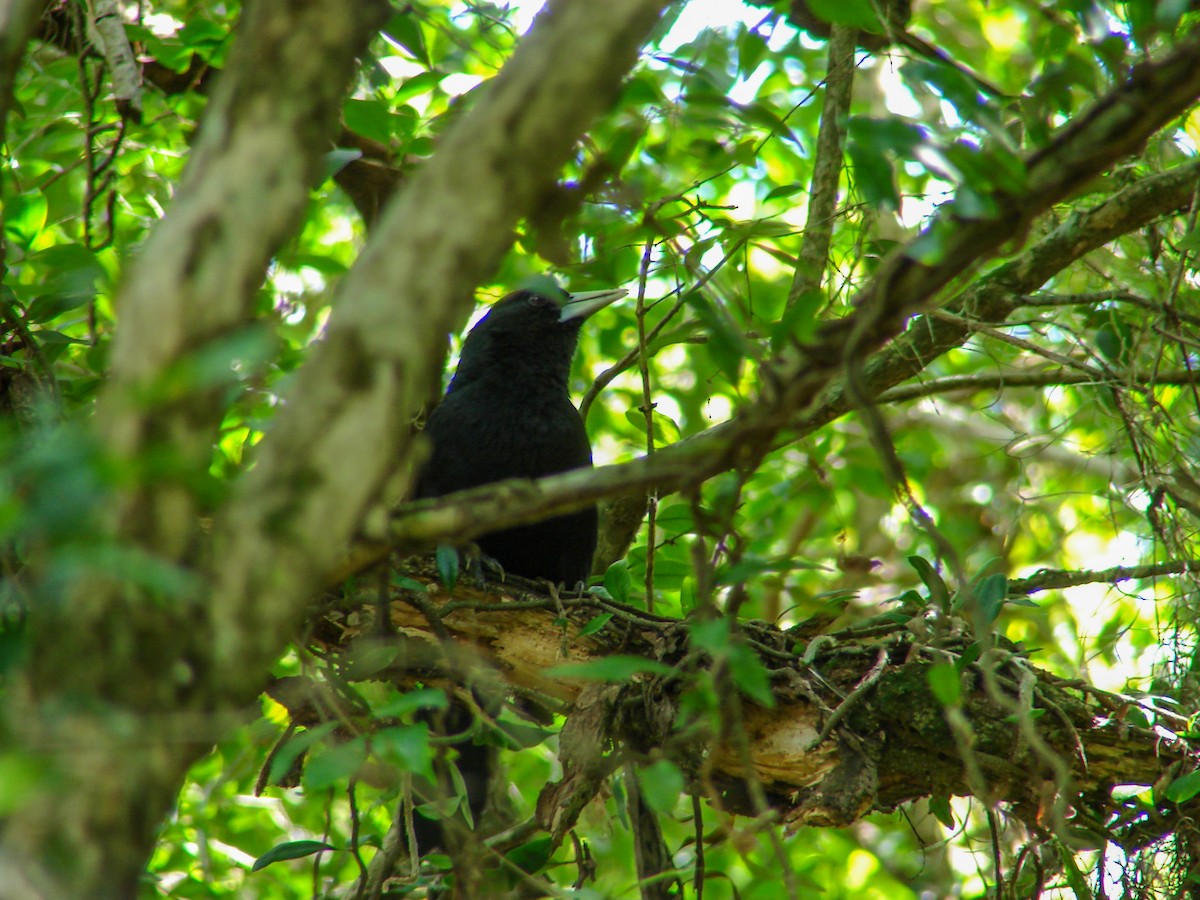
[(482, 436)]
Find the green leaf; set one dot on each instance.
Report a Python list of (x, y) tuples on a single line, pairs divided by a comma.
[(858, 14), (618, 582), (421, 83), (675, 518), (73, 273), (1183, 788), (221, 361), (290, 850), (1167, 13), (595, 624), (784, 190), (1024, 601), (892, 135), (404, 30), (750, 567), (318, 262), (750, 675), (335, 764), (408, 584), (24, 217), (1077, 881), (990, 595), (930, 245), (1190, 242), (287, 755), (874, 176), (1115, 340), (871, 142), (940, 807), (405, 746), (662, 786), (687, 595), (519, 736), (799, 320), (409, 702), (366, 657), (727, 346), (765, 117), (447, 565), (938, 592), (532, 856), (945, 685), (199, 32), (666, 431), (711, 636), (752, 49), (47, 307), (969, 656), (609, 668), (170, 52), (20, 776), (955, 87), (1028, 715), (370, 118)]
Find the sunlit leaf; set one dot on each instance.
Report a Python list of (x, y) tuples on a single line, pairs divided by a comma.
[(332, 763), (662, 785), (290, 850), (944, 683)]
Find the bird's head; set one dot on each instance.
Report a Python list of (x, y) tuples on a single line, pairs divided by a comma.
[(529, 331)]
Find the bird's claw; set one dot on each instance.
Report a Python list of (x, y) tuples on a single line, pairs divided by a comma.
[(477, 561)]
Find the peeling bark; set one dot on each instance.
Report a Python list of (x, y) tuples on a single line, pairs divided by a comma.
[(892, 742)]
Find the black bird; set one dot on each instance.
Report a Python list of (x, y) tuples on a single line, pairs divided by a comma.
[(508, 414)]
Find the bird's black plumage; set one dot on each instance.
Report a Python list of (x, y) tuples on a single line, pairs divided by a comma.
[(508, 414)]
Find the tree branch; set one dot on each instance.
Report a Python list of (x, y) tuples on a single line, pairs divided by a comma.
[(17, 21), (1048, 378), (827, 168), (875, 757), (193, 285), (1057, 579)]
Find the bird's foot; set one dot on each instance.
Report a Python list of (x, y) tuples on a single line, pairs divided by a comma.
[(493, 566), (481, 566)]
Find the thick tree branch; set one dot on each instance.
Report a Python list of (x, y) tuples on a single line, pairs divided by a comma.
[(116, 758), (834, 747), (1049, 378), (813, 258), (1058, 579), (193, 285), (107, 31), (17, 20)]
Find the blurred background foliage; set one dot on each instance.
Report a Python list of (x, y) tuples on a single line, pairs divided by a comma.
[(692, 192)]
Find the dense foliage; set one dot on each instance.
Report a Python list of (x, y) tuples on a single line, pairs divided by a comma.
[(1034, 480)]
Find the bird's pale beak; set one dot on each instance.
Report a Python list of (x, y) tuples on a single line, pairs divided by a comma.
[(580, 306)]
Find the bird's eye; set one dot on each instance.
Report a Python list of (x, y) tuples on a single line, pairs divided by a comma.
[(539, 301)]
